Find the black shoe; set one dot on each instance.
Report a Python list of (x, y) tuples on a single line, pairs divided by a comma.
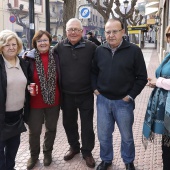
[(130, 166), (90, 162), (47, 159), (31, 163), (103, 165), (71, 154)]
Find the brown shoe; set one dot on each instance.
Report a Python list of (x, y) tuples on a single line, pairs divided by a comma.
[(71, 154), (31, 163), (90, 162), (47, 159)]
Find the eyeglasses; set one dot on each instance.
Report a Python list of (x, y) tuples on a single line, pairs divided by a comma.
[(76, 30), (113, 31), (8, 45), (168, 35), (42, 41)]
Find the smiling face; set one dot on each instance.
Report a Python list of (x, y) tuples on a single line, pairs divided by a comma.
[(43, 44), (114, 33), (74, 32), (10, 49)]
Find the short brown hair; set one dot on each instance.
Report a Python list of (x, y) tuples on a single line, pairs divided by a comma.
[(116, 19), (38, 35)]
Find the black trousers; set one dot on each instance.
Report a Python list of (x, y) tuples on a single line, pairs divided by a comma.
[(165, 156), (9, 147), (84, 103)]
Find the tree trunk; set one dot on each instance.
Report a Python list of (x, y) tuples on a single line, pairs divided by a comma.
[(69, 11)]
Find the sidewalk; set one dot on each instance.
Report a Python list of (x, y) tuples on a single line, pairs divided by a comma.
[(151, 159)]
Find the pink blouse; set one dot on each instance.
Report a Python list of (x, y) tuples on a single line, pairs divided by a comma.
[(163, 83)]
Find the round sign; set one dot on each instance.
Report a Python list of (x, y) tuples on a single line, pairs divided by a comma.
[(12, 18), (85, 12)]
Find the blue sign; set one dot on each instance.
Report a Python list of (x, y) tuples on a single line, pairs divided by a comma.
[(12, 18), (84, 12)]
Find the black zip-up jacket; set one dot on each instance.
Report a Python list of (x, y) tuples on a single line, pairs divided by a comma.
[(75, 65), (121, 74), (3, 88)]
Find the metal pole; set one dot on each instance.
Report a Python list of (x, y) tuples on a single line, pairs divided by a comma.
[(31, 22), (125, 23), (47, 12)]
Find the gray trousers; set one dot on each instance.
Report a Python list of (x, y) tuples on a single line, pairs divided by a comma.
[(48, 116)]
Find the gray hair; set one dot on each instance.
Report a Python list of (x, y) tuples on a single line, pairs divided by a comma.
[(7, 35), (74, 20)]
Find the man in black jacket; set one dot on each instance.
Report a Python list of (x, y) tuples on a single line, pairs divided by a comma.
[(76, 55), (119, 75), (92, 38)]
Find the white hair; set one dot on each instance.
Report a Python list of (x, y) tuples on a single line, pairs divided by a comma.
[(74, 20)]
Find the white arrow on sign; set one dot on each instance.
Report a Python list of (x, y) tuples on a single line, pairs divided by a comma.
[(84, 12)]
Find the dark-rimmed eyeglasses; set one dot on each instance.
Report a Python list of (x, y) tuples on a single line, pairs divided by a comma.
[(113, 32), (168, 35), (76, 30)]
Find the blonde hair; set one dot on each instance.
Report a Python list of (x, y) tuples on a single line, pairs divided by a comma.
[(7, 35), (166, 31)]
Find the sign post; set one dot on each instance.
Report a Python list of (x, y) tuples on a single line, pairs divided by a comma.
[(12, 19)]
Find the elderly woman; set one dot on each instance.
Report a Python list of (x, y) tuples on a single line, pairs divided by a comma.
[(45, 105), (14, 96), (157, 118)]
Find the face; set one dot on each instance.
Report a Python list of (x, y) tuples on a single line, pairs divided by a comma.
[(114, 33), (43, 44), (10, 50), (74, 32)]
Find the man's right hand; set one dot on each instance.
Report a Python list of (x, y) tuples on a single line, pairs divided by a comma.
[(96, 92)]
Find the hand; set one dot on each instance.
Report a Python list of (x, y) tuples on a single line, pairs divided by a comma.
[(30, 89), (96, 92), (151, 82), (126, 99)]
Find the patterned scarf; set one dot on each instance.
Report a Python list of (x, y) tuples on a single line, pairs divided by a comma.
[(48, 84), (157, 117)]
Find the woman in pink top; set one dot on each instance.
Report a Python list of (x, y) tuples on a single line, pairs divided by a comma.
[(157, 118)]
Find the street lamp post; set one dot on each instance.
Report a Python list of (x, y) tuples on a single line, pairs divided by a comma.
[(125, 22)]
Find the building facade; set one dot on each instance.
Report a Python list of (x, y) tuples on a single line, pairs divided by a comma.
[(14, 16)]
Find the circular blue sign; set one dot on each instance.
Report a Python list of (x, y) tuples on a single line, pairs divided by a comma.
[(85, 12), (12, 18)]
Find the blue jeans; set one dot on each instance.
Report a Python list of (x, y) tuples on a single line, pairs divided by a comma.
[(121, 112), (8, 151)]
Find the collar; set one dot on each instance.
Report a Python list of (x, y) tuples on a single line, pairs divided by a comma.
[(81, 43), (114, 49), (7, 63)]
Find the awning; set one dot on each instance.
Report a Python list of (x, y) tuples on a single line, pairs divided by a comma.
[(151, 7), (149, 11), (152, 4)]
